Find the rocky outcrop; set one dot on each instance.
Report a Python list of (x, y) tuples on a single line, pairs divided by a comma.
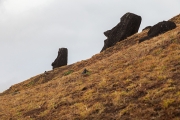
[(158, 29), (61, 59), (128, 26)]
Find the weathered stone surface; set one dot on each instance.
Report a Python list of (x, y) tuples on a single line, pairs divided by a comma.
[(107, 33), (158, 29), (61, 59), (105, 45), (128, 26), (161, 27), (146, 28)]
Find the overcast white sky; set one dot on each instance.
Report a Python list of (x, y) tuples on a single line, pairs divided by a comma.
[(32, 31)]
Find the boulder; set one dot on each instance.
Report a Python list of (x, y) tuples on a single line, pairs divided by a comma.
[(61, 59), (158, 29), (85, 71), (128, 26)]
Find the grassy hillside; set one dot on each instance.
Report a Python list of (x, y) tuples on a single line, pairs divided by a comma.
[(176, 19), (127, 81)]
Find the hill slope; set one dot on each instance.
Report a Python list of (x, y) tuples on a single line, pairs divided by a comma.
[(128, 80)]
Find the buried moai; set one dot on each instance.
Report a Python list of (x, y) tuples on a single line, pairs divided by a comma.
[(158, 29), (61, 59), (128, 26)]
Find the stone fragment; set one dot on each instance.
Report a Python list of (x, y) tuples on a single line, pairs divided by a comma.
[(85, 71)]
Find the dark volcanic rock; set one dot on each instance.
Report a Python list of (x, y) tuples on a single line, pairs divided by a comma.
[(161, 27), (158, 29), (128, 26), (148, 27), (107, 33), (85, 71), (61, 59)]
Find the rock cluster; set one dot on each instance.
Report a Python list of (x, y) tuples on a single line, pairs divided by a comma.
[(61, 59), (158, 29), (128, 26)]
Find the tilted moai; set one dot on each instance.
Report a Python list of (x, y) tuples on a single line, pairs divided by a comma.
[(128, 26)]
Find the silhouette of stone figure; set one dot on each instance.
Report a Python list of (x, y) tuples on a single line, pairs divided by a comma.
[(61, 59), (128, 26)]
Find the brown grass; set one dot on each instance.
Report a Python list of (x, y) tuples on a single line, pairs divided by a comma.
[(127, 81), (176, 19)]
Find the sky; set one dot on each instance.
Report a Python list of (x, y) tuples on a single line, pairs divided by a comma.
[(32, 31)]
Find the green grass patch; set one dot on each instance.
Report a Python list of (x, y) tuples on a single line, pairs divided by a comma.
[(68, 72)]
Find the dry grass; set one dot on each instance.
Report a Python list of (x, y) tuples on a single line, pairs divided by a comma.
[(127, 81), (176, 19)]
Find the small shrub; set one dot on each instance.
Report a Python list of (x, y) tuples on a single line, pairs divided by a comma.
[(68, 72), (166, 103), (161, 77), (31, 83)]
